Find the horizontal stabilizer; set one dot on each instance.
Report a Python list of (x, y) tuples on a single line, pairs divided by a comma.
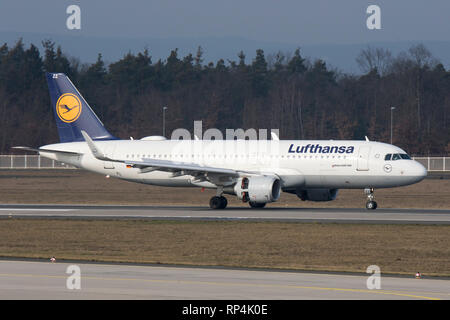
[(45, 150)]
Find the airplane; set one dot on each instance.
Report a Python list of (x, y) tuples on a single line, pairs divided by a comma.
[(256, 171)]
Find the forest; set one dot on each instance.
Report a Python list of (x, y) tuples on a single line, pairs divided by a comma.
[(302, 97)]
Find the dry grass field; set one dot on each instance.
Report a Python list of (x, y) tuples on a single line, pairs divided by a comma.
[(402, 249), (81, 187)]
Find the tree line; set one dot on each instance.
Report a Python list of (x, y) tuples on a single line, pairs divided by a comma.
[(304, 98)]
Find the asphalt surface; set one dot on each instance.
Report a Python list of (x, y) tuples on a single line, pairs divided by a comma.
[(339, 215), (46, 280)]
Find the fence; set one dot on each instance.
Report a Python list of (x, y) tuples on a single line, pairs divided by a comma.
[(434, 163), (30, 162), (38, 162)]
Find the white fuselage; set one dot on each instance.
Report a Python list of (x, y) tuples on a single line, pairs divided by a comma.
[(298, 163)]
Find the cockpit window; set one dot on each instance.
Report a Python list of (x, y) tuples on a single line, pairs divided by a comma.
[(405, 156), (397, 156)]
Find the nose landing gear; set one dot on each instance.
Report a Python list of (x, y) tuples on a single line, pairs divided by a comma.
[(370, 204)]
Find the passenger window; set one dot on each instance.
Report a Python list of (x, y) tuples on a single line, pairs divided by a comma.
[(388, 157)]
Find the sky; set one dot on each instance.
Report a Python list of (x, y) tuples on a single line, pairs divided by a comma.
[(293, 22), (307, 21)]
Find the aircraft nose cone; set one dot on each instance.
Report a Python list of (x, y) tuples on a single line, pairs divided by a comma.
[(420, 171)]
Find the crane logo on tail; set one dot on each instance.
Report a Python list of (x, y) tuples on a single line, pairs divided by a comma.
[(68, 107)]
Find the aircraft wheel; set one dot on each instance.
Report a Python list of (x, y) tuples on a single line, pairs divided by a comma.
[(371, 205), (218, 203), (257, 205), (224, 202)]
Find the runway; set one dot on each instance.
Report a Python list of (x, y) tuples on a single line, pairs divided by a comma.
[(46, 280), (339, 215)]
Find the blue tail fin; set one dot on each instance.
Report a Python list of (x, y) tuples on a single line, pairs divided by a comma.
[(72, 112)]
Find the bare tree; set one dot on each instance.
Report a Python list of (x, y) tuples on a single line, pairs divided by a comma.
[(422, 57), (374, 59)]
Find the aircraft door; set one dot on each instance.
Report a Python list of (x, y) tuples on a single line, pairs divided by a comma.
[(363, 158), (109, 152)]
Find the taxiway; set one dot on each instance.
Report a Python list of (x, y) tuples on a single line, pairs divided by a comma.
[(46, 280)]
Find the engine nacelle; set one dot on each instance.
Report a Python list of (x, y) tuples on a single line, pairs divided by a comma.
[(317, 194), (258, 189)]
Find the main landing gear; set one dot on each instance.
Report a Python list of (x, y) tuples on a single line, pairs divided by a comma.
[(370, 204), (218, 202)]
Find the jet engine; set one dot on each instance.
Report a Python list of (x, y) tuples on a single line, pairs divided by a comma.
[(317, 194), (258, 189)]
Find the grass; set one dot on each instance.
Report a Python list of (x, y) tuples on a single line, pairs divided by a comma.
[(81, 187), (400, 249)]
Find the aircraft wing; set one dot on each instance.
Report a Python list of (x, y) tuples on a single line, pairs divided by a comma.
[(147, 165), (201, 173)]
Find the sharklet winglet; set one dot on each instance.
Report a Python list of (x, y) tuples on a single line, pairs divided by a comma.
[(96, 152)]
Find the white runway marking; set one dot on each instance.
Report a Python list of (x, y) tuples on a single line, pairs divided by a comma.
[(40, 210)]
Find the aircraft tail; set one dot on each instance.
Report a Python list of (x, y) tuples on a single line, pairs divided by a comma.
[(72, 113)]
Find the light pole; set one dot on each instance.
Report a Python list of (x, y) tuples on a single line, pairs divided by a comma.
[(392, 120), (164, 121)]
